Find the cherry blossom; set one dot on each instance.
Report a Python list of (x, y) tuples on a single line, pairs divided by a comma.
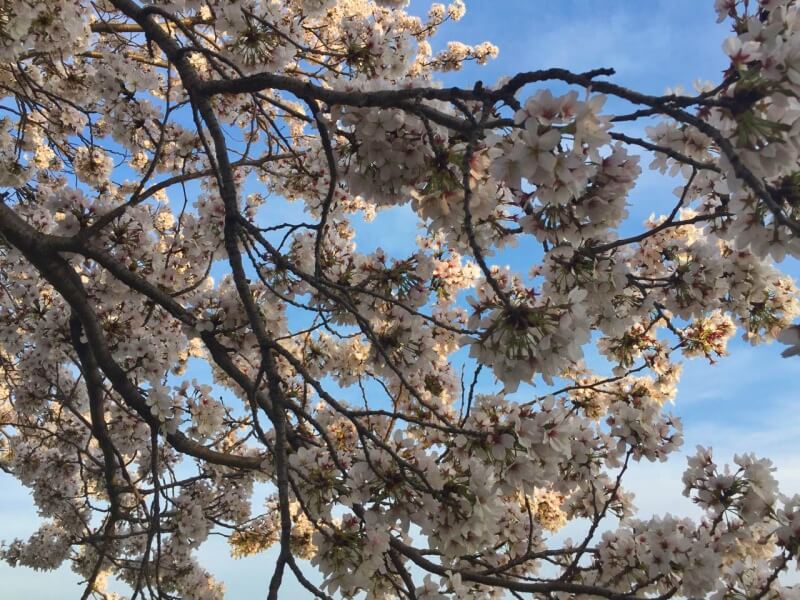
[(422, 422)]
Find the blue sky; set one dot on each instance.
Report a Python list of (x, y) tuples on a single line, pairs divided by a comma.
[(747, 402)]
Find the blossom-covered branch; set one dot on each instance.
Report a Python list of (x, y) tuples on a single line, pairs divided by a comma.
[(146, 147)]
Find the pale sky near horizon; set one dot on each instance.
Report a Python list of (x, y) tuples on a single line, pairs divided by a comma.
[(744, 403)]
